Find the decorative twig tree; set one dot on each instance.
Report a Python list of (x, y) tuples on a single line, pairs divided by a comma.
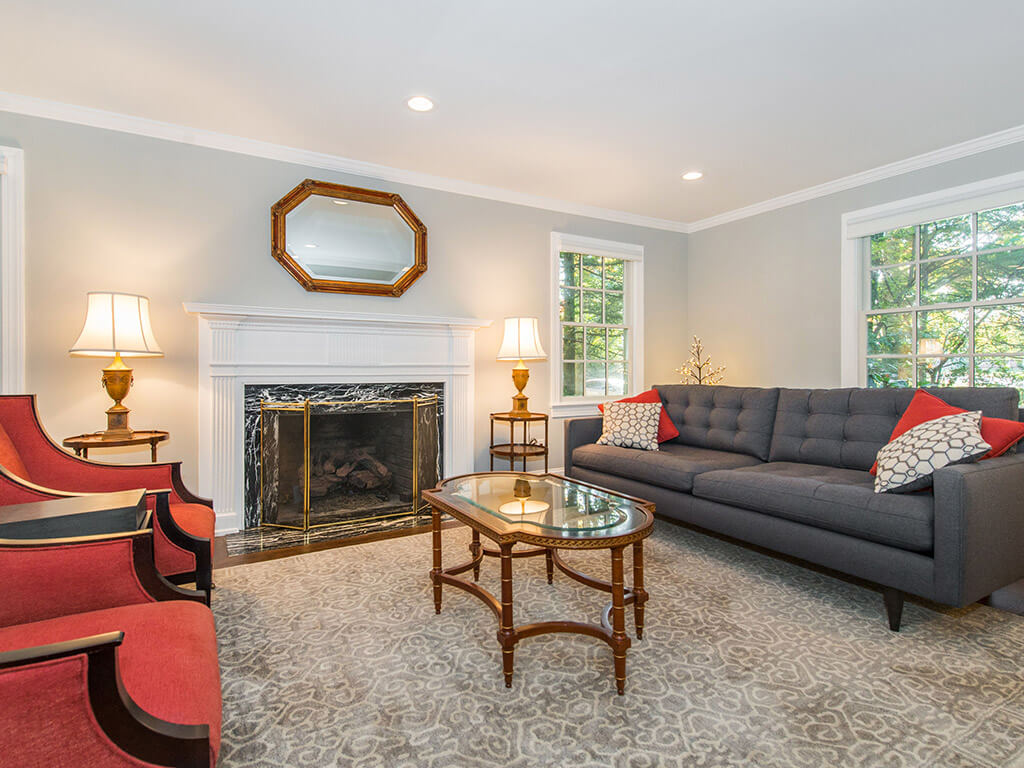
[(698, 370)]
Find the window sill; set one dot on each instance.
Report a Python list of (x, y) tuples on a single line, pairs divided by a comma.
[(570, 409)]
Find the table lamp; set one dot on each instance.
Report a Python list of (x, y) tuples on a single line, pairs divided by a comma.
[(117, 324), (521, 342)]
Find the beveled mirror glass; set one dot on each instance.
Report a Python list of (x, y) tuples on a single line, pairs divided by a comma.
[(341, 239)]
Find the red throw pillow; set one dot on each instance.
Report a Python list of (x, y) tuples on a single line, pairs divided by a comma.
[(666, 429), (9, 456), (999, 433)]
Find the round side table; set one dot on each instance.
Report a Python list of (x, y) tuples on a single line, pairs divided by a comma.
[(524, 450), (82, 443)]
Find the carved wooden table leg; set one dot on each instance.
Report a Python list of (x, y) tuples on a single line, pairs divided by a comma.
[(435, 574), (474, 550), (620, 642), (550, 560), (638, 588), (507, 633)]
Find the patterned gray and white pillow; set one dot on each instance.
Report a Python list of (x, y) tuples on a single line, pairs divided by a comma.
[(907, 463), (631, 425)]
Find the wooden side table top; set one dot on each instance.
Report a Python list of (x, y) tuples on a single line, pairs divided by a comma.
[(82, 443), (513, 416)]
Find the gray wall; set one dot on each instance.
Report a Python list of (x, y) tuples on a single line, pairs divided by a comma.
[(113, 211), (764, 292)]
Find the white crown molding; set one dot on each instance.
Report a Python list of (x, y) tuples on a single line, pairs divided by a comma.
[(943, 203), (12, 270), (155, 129), (140, 126), (926, 160)]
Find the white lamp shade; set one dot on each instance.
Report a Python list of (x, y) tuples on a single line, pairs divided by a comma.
[(522, 340), (117, 323)]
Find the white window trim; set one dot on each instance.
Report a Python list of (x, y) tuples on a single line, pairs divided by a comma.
[(633, 255), (12, 270), (857, 225)]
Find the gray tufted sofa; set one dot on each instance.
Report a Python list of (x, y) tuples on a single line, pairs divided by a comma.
[(787, 469)]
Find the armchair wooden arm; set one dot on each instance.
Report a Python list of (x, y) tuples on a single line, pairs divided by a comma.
[(197, 545)]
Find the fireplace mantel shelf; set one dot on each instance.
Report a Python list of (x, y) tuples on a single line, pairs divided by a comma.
[(242, 312)]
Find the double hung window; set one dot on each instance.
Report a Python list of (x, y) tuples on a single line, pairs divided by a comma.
[(944, 302)]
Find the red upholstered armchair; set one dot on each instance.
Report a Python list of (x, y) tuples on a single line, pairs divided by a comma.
[(37, 468), (103, 662)]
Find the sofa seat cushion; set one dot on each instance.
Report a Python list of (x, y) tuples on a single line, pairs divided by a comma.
[(673, 466), (840, 500), (168, 660)]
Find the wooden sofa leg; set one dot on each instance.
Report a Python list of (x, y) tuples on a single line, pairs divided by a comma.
[(893, 607)]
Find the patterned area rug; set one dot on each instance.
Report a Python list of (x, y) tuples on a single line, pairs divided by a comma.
[(336, 659)]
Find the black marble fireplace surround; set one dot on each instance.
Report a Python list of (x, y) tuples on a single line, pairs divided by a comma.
[(294, 393)]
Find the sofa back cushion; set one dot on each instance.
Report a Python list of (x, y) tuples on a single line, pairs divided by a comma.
[(736, 419), (846, 427)]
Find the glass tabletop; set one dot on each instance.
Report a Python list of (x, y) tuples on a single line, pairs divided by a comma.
[(548, 501)]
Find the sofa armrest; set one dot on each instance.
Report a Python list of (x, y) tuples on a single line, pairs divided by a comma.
[(45, 578), (579, 432), (979, 528), (50, 690)]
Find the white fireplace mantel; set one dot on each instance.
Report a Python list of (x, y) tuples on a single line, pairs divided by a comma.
[(241, 345)]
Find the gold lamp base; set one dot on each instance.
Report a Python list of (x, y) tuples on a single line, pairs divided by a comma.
[(117, 380), (520, 375)]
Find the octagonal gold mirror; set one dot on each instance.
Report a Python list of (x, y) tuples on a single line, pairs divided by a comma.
[(341, 239)]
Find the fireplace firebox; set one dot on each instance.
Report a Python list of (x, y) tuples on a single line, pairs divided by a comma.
[(329, 462)]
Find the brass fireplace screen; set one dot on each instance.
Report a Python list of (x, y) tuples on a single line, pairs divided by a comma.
[(330, 462)]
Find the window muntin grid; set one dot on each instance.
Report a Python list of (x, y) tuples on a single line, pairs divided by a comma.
[(945, 302), (593, 332)]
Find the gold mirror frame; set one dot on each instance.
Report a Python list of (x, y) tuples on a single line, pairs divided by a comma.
[(310, 187)]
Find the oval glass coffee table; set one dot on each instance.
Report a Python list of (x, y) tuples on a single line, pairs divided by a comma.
[(548, 512)]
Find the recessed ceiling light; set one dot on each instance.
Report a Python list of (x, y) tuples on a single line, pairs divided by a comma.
[(340, 202), (692, 175), (420, 104), (311, 245)]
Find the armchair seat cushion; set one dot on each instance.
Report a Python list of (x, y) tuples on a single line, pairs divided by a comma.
[(673, 466), (197, 519), (836, 499), (168, 660)]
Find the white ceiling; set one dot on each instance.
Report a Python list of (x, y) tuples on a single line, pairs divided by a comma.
[(591, 101)]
